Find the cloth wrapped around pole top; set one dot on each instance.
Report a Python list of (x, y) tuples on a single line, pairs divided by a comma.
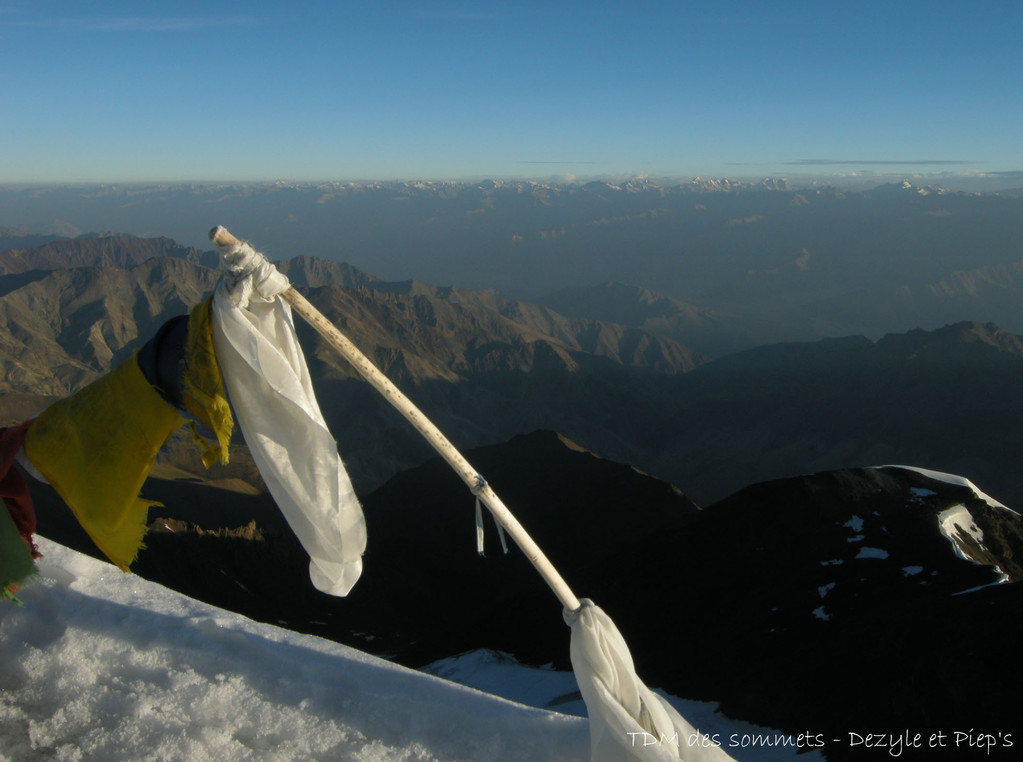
[(628, 721)]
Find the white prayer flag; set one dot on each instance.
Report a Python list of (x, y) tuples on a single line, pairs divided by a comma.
[(628, 721), (268, 383)]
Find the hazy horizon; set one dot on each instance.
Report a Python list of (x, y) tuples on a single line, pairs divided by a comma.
[(864, 180)]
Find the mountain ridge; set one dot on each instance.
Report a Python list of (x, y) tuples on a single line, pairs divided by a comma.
[(95, 250), (941, 399), (486, 368), (64, 327), (755, 250)]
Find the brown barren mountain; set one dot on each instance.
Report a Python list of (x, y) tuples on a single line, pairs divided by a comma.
[(486, 367)]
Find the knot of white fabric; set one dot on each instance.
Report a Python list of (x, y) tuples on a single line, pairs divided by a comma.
[(477, 489), (623, 712), (572, 616), (250, 275)]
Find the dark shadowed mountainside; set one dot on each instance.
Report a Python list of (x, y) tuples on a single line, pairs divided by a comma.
[(711, 333), (791, 602), (484, 368), (945, 399)]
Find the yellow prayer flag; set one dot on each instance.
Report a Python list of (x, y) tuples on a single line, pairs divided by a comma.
[(96, 448), (203, 391)]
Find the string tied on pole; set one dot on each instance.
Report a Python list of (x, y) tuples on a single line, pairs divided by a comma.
[(477, 488)]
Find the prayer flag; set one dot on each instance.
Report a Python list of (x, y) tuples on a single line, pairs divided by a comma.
[(96, 447), (17, 518), (15, 558), (270, 388), (628, 721)]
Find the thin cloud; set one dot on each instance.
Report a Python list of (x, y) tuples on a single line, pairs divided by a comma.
[(1004, 173), (876, 162), (136, 23), (170, 24), (453, 15), (526, 161)]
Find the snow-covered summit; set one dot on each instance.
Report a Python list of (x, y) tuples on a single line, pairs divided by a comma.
[(104, 665), (101, 665)]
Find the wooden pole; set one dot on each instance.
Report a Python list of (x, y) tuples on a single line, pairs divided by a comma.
[(221, 237)]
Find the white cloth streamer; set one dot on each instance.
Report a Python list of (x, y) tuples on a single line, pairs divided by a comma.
[(628, 721), (269, 386), (481, 483)]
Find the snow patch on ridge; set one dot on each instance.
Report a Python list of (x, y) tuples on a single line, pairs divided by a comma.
[(866, 552), (956, 523), (855, 524), (960, 481)]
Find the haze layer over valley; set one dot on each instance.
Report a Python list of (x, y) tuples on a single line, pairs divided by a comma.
[(718, 265)]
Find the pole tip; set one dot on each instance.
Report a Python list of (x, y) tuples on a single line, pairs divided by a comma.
[(221, 237)]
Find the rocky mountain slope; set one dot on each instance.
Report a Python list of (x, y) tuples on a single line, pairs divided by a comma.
[(487, 368), (117, 251), (63, 327)]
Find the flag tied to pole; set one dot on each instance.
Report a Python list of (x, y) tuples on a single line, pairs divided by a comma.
[(96, 447), (268, 382), (628, 721)]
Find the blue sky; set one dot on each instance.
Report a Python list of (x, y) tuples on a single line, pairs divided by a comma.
[(133, 91)]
